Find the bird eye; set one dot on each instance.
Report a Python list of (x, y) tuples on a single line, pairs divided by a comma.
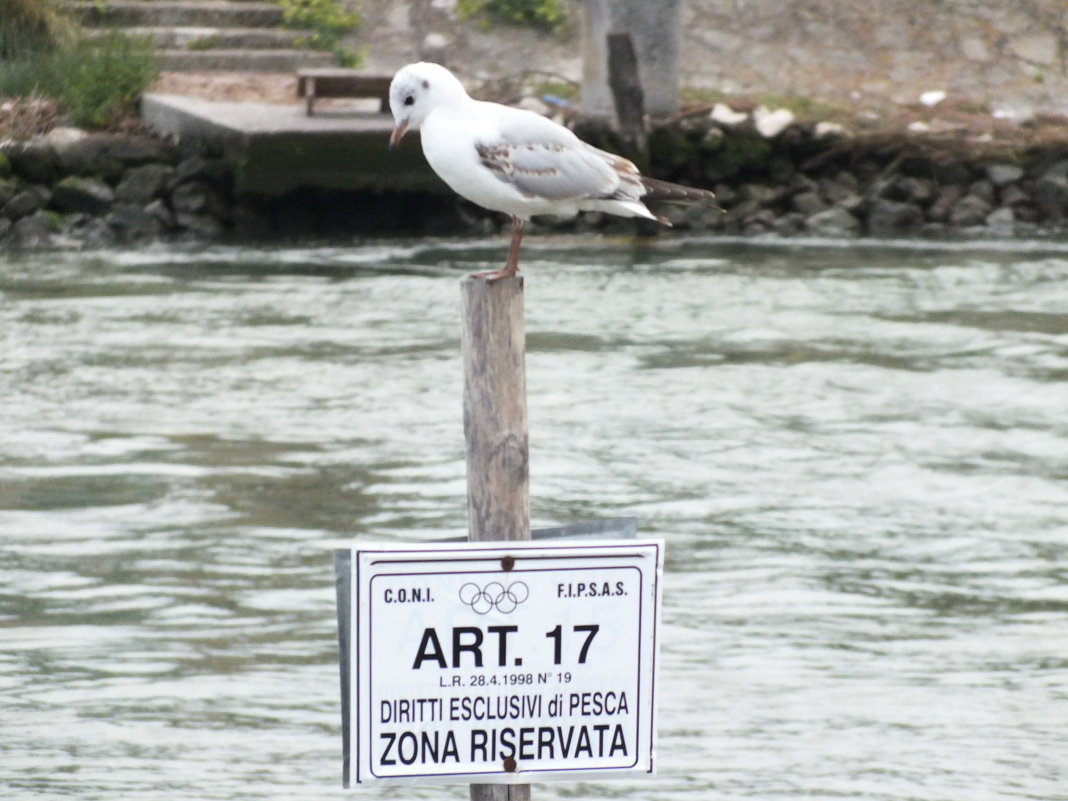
[(409, 100)]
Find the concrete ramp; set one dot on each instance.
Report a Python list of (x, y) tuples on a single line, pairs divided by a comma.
[(278, 148)]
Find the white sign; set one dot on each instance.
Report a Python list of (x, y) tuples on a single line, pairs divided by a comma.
[(504, 662)]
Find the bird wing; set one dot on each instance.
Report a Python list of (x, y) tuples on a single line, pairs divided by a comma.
[(544, 160)]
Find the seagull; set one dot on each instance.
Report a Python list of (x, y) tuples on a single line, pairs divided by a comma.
[(516, 161)]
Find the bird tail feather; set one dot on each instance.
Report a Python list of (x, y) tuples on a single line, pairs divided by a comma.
[(665, 190)]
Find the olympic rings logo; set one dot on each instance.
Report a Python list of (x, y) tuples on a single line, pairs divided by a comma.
[(494, 596)]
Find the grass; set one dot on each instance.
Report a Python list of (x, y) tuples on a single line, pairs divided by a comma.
[(29, 26), (96, 81)]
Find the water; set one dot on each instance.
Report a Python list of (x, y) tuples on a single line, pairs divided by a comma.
[(857, 454)]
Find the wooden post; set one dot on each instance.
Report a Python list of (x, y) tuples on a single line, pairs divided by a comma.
[(495, 410), (493, 342)]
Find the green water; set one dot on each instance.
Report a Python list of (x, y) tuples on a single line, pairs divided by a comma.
[(857, 454)]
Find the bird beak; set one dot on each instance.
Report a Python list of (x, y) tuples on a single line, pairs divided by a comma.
[(398, 134)]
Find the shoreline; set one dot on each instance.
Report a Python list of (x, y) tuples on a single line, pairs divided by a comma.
[(773, 174)]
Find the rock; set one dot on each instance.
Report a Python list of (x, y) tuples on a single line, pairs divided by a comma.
[(1039, 48), (1002, 219), (983, 190), (1012, 195), (145, 183), (1051, 196), (944, 203), (770, 124), (33, 160), (726, 194), (133, 151), (201, 225), (908, 189), (969, 210), (96, 233), (1059, 169), (32, 232), (27, 202), (807, 203), (75, 193), (724, 115), (1017, 113), (133, 223), (974, 49), (8, 190), (833, 222), (5, 165), (435, 47), (1003, 174), (5, 227), (82, 153), (831, 130), (952, 172), (760, 222), (159, 210), (63, 138), (197, 168), (195, 197), (888, 217), (758, 193), (932, 97), (789, 224)]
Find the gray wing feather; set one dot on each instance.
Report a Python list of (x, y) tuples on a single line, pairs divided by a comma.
[(542, 159)]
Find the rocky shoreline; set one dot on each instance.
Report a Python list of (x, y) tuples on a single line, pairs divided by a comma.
[(773, 175)]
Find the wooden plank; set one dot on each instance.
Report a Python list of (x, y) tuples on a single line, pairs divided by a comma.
[(493, 342)]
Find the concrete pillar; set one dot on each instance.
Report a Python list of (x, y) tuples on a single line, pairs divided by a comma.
[(654, 26)]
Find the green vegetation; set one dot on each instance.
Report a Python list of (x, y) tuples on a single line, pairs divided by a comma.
[(32, 26), (204, 42), (568, 90), (546, 15), (100, 79), (96, 80), (329, 22)]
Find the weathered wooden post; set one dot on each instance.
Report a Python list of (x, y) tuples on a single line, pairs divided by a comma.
[(624, 79), (654, 27), (493, 343)]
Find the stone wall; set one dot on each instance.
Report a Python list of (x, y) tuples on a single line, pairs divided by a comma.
[(1011, 54)]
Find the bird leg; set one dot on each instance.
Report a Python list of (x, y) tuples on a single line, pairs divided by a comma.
[(511, 266)]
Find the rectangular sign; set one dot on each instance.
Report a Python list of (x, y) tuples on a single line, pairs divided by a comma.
[(503, 662)]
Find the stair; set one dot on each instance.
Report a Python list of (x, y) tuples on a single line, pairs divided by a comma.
[(208, 35)]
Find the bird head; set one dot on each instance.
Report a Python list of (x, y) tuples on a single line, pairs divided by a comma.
[(415, 91)]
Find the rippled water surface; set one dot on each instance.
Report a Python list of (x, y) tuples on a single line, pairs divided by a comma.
[(858, 456)]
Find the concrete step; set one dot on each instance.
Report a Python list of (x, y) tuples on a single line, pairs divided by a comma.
[(212, 38), (269, 60), (178, 13)]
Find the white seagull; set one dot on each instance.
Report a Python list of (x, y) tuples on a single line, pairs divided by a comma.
[(512, 160)]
